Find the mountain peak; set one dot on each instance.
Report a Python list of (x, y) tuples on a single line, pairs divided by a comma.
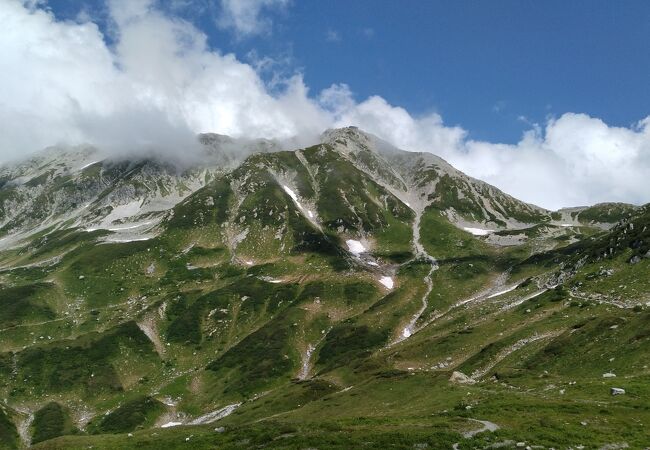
[(349, 139)]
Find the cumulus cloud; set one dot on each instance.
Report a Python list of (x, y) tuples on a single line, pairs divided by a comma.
[(159, 84), (245, 17), (62, 83)]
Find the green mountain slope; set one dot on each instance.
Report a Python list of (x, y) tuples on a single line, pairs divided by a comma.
[(336, 296)]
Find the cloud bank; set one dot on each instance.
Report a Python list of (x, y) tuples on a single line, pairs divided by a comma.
[(159, 84)]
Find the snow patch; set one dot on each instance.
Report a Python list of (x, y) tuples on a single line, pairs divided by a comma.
[(215, 415), (87, 165), (478, 231), (511, 288), (271, 280), (122, 240), (387, 281), (292, 194), (171, 424), (355, 247)]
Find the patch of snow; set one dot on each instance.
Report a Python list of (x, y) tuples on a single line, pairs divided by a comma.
[(406, 332), (249, 263), (372, 263), (387, 281), (171, 424), (271, 280), (169, 401), (355, 247), (215, 415), (478, 231), (130, 227), (292, 194), (122, 240), (505, 291), (87, 165), (310, 214), (567, 225)]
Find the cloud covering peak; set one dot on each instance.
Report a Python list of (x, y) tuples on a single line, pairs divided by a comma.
[(158, 84)]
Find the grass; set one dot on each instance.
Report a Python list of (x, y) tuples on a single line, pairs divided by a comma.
[(139, 412), (23, 304), (8, 434), (86, 365), (51, 421)]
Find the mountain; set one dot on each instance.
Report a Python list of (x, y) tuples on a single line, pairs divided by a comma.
[(342, 295)]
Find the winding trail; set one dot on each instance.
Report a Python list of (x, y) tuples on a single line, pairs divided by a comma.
[(487, 426)]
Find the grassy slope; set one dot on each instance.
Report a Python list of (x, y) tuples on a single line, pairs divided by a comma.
[(228, 334)]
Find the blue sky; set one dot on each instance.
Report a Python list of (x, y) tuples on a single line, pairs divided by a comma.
[(491, 67), (547, 100)]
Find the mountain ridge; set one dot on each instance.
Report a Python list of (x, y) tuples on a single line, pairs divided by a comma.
[(158, 186)]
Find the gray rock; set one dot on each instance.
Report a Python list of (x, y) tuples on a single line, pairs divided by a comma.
[(617, 391), (461, 378)]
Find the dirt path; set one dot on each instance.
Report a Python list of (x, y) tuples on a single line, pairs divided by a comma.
[(486, 426)]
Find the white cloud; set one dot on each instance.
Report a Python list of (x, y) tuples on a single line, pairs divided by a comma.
[(245, 18), (62, 83), (160, 84)]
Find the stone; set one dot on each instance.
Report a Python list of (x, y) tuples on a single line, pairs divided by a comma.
[(617, 391), (461, 378)]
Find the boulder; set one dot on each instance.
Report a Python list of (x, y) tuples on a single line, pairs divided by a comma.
[(461, 378), (617, 391)]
